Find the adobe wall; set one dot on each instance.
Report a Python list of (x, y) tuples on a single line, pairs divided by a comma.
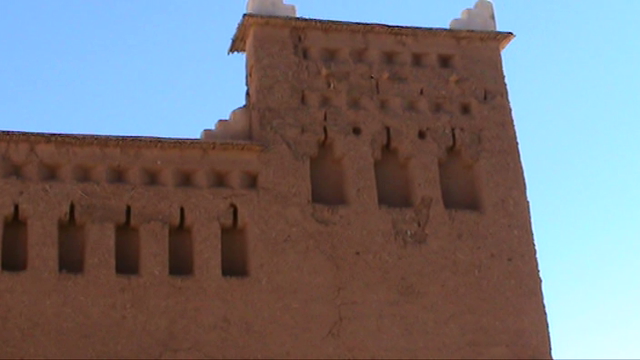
[(382, 215)]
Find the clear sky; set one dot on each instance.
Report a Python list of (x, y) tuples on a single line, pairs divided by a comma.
[(160, 67)]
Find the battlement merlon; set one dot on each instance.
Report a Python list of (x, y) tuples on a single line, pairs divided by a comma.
[(239, 41)]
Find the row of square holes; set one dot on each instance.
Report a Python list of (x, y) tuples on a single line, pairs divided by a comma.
[(385, 104), (135, 176), (422, 133), (362, 56)]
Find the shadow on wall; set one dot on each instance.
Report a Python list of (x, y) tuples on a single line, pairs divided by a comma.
[(127, 247), (72, 246), (180, 249), (234, 248), (327, 177), (14, 243), (392, 177), (458, 182)]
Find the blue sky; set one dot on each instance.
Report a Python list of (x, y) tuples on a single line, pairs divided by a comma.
[(160, 68)]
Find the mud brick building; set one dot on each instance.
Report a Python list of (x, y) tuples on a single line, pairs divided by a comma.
[(368, 201)]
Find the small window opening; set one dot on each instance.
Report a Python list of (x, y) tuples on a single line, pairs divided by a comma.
[(184, 178), (116, 176), (359, 56), (329, 55), (384, 104), (417, 60), (248, 180), (445, 61), (81, 174), (47, 172), (180, 249), (327, 177), (390, 57), (458, 182), (392, 180), (325, 101), (150, 177), (127, 247), (71, 244), (354, 103), (14, 243), (465, 109), (411, 106), (234, 251)]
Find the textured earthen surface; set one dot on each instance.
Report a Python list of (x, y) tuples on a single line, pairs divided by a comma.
[(379, 211)]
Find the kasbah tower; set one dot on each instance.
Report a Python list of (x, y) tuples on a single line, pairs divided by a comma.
[(368, 201)]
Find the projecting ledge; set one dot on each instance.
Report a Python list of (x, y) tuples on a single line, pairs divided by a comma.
[(239, 41), (128, 141)]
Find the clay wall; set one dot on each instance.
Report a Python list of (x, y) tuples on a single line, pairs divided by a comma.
[(410, 135), (382, 215)]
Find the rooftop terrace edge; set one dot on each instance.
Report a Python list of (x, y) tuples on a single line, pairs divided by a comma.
[(238, 42), (129, 141)]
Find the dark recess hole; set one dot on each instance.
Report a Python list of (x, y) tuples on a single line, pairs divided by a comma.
[(81, 174), (422, 134), (151, 177), (327, 178), (180, 249), (234, 252), (356, 131), (359, 56), (47, 173), (389, 57), (384, 104), (445, 61), (354, 103), (325, 101), (14, 243), (127, 247), (115, 176), (11, 170), (71, 245), (458, 183), (392, 179), (417, 60), (465, 109), (330, 55), (248, 180)]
